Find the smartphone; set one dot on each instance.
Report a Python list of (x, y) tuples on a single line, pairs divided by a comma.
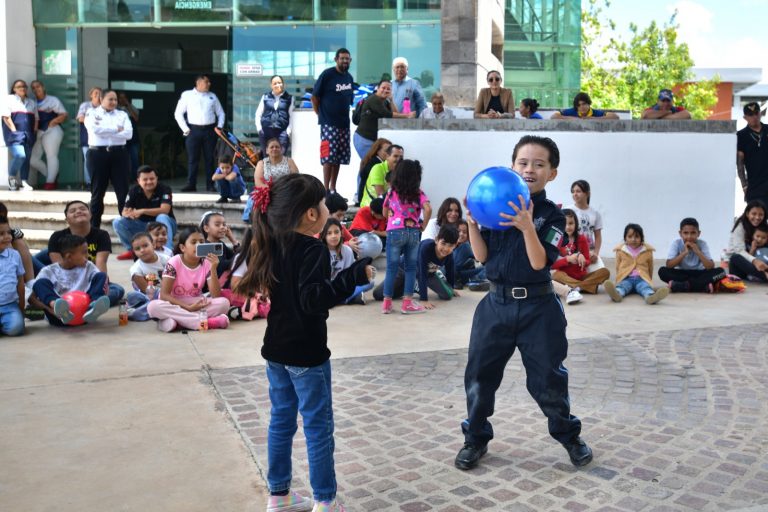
[(203, 250)]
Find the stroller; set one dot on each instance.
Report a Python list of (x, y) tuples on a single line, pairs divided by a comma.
[(244, 155)]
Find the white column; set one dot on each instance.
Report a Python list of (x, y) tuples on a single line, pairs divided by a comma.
[(17, 61)]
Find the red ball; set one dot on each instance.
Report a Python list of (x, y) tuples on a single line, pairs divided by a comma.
[(78, 305)]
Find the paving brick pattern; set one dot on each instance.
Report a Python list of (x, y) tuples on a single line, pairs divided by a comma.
[(677, 421)]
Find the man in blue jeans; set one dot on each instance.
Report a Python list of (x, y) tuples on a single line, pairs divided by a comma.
[(149, 201)]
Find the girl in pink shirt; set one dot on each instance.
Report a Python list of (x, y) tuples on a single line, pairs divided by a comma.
[(181, 292), (403, 208)]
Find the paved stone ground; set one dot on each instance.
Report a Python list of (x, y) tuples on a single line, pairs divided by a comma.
[(676, 420)]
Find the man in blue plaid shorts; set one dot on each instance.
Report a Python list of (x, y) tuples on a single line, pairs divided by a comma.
[(331, 98)]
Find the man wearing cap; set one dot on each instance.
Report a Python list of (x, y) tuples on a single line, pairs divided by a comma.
[(664, 109), (752, 155)]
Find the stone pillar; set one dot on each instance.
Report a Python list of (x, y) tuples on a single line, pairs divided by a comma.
[(17, 61), (472, 42)]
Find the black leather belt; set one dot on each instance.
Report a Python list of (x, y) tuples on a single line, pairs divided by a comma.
[(201, 126), (522, 292), (107, 148)]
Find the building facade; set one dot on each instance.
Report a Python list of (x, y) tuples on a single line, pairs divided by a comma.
[(153, 49)]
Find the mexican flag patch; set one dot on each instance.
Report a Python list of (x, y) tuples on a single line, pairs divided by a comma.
[(554, 236)]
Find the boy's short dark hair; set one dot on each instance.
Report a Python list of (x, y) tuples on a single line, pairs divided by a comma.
[(763, 226), (154, 225), (4, 220), (143, 234), (225, 159), (70, 243), (146, 169), (334, 202), (689, 221), (76, 201), (462, 222), (448, 234), (377, 206), (582, 96)]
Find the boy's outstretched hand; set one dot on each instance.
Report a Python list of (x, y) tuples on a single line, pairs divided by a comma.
[(523, 217)]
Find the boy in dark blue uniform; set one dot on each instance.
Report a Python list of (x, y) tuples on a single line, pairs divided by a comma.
[(521, 311)]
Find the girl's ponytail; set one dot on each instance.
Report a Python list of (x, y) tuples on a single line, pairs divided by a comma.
[(278, 209)]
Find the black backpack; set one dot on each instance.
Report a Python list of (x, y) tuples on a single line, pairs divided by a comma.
[(358, 112)]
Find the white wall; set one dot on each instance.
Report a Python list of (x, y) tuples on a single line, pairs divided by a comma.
[(654, 179), (17, 60)]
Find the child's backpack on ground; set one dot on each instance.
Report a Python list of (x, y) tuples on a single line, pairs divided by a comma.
[(730, 284)]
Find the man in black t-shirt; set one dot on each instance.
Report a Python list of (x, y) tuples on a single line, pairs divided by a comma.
[(149, 201), (752, 155), (78, 216)]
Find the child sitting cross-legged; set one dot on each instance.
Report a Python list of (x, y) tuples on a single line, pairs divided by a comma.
[(689, 266), (74, 272), (146, 272), (181, 290), (11, 284), (634, 268), (571, 268), (342, 257)]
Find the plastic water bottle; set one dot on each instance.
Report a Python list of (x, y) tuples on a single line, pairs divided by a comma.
[(150, 292), (203, 320), (122, 314), (406, 106)]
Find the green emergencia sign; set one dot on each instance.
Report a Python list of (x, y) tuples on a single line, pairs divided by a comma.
[(193, 4), (57, 62)]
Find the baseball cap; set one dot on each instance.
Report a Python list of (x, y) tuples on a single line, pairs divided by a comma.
[(751, 108), (666, 94)]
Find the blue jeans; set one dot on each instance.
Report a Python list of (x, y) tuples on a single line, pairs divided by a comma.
[(464, 262), (19, 162), (126, 228), (634, 284), (45, 290), (230, 189), (295, 389), (11, 320), (115, 292), (403, 242), (362, 145)]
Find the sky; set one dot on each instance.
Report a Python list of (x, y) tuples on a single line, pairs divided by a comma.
[(717, 31)]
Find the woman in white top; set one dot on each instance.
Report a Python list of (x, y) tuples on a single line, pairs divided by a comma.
[(448, 213), (274, 165), (19, 114), (95, 100), (109, 129), (52, 114), (274, 115), (590, 222), (742, 262)]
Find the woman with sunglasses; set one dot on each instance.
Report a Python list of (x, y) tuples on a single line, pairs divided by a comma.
[(494, 101), (19, 113)]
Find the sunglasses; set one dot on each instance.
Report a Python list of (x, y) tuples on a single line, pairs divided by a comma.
[(495, 79)]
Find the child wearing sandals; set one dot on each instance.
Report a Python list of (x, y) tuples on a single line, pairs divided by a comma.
[(634, 268)]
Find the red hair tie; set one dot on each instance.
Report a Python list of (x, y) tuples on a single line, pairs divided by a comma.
[(261, 196)]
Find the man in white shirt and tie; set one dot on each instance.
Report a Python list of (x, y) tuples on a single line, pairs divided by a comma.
[(203, 114), (108, 131)]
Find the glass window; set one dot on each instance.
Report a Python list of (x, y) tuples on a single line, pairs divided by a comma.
[(196, 10), (114, 11), (420, 44), (421, 10), (275, 10), (358, 10), (62, 11)]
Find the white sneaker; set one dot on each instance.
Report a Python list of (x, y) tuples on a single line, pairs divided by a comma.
[(26, 186), (573, 297), (13, 183)]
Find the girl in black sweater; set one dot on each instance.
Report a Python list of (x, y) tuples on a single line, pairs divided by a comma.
[(292, 268)]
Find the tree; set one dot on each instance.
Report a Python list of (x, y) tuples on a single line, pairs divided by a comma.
[(629, 75)]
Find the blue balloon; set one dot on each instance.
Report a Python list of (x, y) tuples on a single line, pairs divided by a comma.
[(489, 193)]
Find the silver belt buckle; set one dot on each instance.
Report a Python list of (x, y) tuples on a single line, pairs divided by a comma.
[(519, 293)]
